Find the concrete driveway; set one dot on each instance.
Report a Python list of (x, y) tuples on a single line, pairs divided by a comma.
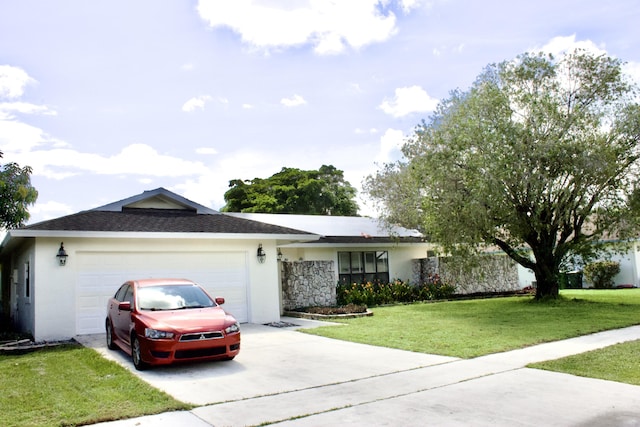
[(287, 378)]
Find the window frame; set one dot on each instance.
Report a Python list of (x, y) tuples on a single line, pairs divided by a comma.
[(369, 266)]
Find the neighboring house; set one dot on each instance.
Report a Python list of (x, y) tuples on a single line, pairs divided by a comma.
[(629, 269), (161, 234)]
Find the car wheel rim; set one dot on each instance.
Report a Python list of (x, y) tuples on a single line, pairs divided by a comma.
[(135, 351)]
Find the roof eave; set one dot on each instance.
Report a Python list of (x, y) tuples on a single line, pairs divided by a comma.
[(303, 245), (158, 235)]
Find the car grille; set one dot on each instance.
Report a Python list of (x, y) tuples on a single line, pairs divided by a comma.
[(212, 335), (203, 352)]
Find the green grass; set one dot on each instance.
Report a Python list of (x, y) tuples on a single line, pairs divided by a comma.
[(473, 328), (615, 363), (72, 385)]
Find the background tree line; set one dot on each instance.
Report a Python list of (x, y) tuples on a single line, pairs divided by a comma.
[(294, 191)]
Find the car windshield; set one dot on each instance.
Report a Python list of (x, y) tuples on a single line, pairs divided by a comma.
[(173, 297)]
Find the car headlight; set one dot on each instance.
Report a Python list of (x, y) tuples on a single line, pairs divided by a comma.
[(155, 334), (232, 329)]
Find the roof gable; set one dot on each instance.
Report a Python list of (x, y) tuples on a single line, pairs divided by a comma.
[(160, 198)]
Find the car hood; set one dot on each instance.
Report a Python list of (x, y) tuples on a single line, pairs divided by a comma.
[(188, 320)]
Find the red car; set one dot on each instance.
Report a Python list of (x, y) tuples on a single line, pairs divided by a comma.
[(162, 321)]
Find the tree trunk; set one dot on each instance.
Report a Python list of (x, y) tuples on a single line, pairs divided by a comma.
[(547, 284)]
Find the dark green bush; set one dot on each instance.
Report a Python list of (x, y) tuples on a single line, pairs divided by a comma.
[(371, 294), (601, 273)]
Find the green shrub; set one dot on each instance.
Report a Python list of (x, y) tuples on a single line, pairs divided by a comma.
[(377, 293), (601, 273)]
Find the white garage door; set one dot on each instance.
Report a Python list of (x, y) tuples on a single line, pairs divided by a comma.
[(101, 274)]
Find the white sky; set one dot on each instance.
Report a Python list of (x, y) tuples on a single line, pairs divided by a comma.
[(106, 99)]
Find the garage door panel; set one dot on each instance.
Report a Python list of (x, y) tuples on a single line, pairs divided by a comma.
[(101, 274), (93, 292)]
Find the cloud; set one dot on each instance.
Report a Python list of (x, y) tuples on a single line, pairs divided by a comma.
[(18, 137), (408, 5), (196, 103), (390, 144), (294, 101), (558, 46), (331, 27), (563, 44), (61, 163), (13, 80), (409, 100), (6, 108), (50, 209)]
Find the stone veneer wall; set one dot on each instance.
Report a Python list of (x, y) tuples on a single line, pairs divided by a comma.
[(308, 284), (496, 273)]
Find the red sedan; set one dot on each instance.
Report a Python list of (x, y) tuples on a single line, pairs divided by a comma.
[(162, 321)]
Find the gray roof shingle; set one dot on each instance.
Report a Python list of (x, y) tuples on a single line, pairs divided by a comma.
[(159, 220)]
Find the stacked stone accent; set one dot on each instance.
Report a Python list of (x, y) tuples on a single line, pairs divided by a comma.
[(308, 284), (494, 273)]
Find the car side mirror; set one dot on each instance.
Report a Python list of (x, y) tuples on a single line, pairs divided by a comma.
[(124, 306), (219, 300)]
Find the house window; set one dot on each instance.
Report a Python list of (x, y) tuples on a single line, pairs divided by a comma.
[(27, 281), (359, 267)]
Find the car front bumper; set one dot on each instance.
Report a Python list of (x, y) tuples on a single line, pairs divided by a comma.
[(167, 351)]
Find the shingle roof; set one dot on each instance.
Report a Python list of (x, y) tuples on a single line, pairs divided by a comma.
[(159, 220)]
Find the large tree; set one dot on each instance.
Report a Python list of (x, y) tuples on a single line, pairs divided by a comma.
[(538, 158), (16, 194), (295, 191)]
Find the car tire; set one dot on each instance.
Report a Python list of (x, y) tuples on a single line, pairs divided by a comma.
[(109, 332), (136, 356)]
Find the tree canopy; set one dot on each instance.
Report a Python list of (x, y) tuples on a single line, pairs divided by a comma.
[(16, 194), (538, 158), (294, 191)]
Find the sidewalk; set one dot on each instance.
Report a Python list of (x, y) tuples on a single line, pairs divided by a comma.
[(494, 390)]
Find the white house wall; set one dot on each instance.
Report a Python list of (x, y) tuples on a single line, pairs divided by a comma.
[(55, 286), (400, 260), (628, 268), (636, 263)]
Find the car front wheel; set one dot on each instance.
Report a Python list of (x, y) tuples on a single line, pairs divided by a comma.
[(109, 330), (136, 354)]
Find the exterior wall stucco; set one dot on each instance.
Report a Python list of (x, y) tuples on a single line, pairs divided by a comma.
[(264, 287)]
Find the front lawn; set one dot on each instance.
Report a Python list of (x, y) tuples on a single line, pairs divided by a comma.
[(472, 328), (73, 385), (615, 363)]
